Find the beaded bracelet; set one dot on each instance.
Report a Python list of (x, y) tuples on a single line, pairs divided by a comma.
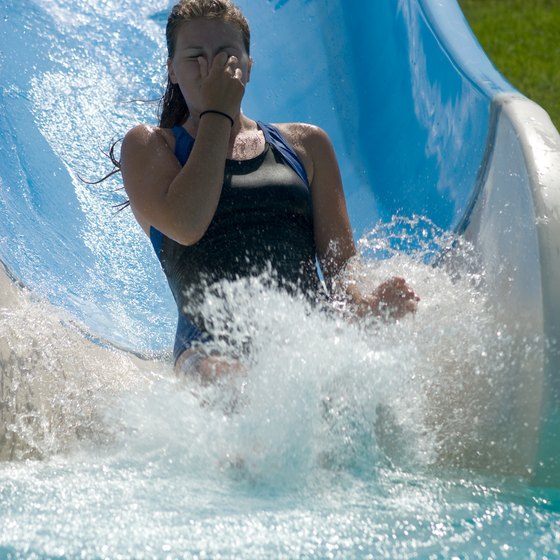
[(217, 113)]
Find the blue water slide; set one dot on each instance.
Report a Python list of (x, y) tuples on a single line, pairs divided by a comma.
[(422, 123)]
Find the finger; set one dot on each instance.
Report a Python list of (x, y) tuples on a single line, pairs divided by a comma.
[(410, 307), (218, 62), (407, 293), (203, 63), (232, 66), (411, 295)]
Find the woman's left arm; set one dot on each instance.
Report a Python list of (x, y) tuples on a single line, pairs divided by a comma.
[(333, 234), (334, 241)]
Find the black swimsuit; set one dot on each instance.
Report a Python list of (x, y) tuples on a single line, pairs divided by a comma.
[(264, 221)]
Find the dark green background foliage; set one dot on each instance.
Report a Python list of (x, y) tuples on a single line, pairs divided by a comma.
[(522, 39)]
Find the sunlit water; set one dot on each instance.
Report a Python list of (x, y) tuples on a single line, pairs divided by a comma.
[(333, 445), (343, 439)]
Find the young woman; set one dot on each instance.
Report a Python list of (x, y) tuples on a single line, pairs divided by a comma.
[(223, 196)]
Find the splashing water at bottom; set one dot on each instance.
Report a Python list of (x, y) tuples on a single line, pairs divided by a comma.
[(343, 439)]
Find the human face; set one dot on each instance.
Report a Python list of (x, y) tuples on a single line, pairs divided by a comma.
[(197, 44)]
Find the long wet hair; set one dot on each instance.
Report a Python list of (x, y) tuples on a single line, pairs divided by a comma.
[(173, 110)]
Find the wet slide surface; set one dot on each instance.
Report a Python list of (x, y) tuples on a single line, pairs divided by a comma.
[(409, 127)]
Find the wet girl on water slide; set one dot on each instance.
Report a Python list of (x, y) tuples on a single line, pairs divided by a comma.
[(223, 196)]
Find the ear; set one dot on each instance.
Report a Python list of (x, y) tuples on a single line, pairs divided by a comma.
[(171, 71), (249, 67)]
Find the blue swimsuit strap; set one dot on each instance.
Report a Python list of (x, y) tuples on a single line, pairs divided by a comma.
[(273, 136), (183, 146)]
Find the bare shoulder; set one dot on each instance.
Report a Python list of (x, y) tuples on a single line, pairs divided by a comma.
[(311, 143), (147, 161), (146, 150), (303, 134), (147, 136)]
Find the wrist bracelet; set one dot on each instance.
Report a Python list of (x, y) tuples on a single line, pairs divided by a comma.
[(217, 113)]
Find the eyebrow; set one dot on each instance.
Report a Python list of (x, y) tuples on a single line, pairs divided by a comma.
[(200, 48)]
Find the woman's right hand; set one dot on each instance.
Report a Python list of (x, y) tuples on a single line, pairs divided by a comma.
[(222, 86)]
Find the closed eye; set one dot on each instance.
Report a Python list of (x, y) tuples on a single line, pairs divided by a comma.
[(193, 54)]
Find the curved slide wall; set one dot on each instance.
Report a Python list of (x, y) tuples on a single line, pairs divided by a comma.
[(421, 121)]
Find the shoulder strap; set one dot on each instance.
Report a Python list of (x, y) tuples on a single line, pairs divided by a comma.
[(273, 136), (184, 143)]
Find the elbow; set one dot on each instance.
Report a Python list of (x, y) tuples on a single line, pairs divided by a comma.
[(187, 240), (183, 227), (187, 235)]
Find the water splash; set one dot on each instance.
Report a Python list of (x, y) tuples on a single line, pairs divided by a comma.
[(334, 422), (319, 389), (54, 382)]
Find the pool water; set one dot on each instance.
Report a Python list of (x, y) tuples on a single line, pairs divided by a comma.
[(328, 447)]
